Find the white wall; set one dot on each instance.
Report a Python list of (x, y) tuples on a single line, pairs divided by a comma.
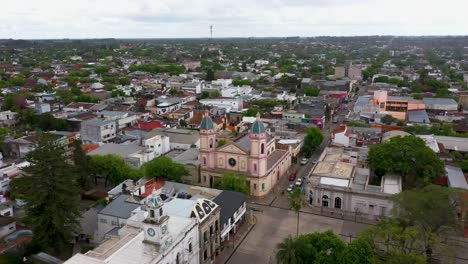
[(5, 230)]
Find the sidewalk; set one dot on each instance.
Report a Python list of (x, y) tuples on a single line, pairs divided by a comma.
[(234, 242)]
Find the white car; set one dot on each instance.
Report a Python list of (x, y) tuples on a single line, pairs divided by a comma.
[(298, 182), (290, 188), (304, 161)]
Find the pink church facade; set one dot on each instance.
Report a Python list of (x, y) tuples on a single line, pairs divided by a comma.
[(254, 156)]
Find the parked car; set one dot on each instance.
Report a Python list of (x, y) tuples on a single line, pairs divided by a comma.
[(298, 182), (315, 161), (292, 177), (304, 161), (290, 188)]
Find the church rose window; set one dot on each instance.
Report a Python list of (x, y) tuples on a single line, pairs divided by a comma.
[(232, 162)]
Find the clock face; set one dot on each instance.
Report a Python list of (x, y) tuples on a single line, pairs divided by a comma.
[(151, 232), (232, 162), (164, 229)]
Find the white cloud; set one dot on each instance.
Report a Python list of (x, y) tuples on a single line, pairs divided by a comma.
[(233, 18)]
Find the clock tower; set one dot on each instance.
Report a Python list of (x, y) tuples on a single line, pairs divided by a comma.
[(156, 223)]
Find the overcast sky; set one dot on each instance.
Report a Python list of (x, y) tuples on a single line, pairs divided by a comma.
[(39, 19)]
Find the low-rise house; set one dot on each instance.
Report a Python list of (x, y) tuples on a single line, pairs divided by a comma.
[(115, 215), (233, 210), (7, 226), (8, 118), (192, 87), (179, 138), (440, 104), (133, 154), (356, 136), (230, 104), (455, 177)]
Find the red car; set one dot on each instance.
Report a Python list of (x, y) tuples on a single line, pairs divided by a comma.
[(292, 177)]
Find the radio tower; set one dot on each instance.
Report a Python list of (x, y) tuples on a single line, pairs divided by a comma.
[(211, 31)]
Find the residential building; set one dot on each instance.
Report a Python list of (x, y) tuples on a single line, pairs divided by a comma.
[(236, 91), (440, 104), (115, 215), (356, 136), (159, 144), (192, 87), (7, 226), (233, 210), (8, 118), (253, 155), (231, 104), (98, 131), (178, 138), (132, 153)]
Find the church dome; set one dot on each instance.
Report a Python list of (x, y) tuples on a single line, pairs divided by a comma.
[(258, 127), (206, 123)]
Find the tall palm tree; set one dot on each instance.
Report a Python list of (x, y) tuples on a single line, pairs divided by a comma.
[(286, 251), (295, 202)]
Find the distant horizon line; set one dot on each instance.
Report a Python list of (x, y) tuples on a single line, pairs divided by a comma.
[(251, 37)]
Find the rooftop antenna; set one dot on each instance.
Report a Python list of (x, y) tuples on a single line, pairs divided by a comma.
[(211, 31)]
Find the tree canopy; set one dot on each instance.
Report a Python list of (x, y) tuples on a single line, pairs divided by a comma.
[(312, 140), (421, 222), (311, 91), (166, 168), (114, 168), (232, 182), (50, 191), (408, 156), (323, 248)]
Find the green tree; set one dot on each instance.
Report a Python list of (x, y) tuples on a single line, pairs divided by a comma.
[(173, 92), (324, 247), (312, 140), (51, 194), (356, 124), (210, 75), (165, 168), (84, 165), (4, 131), (388, 119), (295, 202), (407, 156), (124, 81), (220, 143), (311, 91), (244, 66), (114, 168), (47, 122), (358, 252), (417, 96), (215, 94), (252, 112), (287, 251), (232, 182)]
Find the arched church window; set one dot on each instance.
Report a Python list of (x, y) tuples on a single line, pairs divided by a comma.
[(338, 202), (211, 143), (262, 148)]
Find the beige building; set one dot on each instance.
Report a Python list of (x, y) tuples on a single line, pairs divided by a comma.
[(341, 182)]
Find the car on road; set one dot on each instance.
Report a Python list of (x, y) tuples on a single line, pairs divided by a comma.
[(304, 161), (292, 177), (290, 188), (298, 182)]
